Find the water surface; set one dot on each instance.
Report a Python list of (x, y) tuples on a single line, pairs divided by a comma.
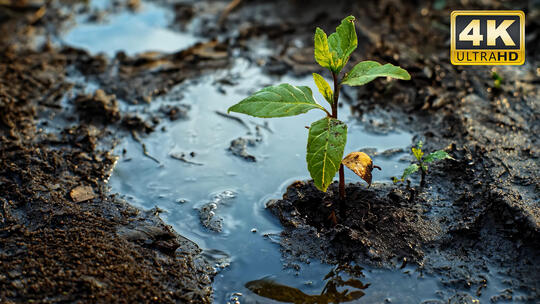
[(136, 32)]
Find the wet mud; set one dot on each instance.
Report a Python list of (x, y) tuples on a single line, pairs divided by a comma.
[(66, 238), (379, 224)]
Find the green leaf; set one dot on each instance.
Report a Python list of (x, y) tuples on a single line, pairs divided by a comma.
[(326, 143), (324, 88), (437, 155), (322, 51), (417, 152), (409, 170), (366, 71), (278, 101), (333, 52), (343, 42)]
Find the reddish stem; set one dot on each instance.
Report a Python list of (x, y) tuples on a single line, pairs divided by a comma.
[(341, 183), (335, 115)]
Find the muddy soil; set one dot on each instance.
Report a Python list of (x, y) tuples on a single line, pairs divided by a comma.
[(380, 224), (65, 238)]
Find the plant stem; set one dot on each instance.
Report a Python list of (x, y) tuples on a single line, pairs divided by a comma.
[(341, 183), (327, 113), (423, 178), (337, 86), (336, 95)]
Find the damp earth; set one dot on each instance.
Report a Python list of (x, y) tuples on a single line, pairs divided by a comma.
[(123, 177)]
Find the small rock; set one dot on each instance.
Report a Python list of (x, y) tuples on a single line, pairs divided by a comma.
[(93, 281), (82, 193), (463, 298), (372, 253), (207, 212), (136, 123), (428, 72), (254, 230), (238, 148), (441, 101), (174, 112)]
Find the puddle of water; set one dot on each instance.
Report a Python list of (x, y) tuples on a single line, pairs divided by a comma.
[(181, 188), (131, 32)]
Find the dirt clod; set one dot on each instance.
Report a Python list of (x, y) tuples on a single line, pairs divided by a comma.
[(82, 193), (377, 225), (207, 212), (239, 146), (98, 106)]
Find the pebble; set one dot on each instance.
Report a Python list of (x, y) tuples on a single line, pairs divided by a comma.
[(82, 193)]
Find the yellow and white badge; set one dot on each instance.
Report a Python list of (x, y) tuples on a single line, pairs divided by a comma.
[(487, 37)]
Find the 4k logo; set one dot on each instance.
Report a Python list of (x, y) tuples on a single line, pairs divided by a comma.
[(487, 37)]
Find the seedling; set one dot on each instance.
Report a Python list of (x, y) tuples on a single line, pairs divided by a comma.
[(497, 80), (327, 137), (421, 162)]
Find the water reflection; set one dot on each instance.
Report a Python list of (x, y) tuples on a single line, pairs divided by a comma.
[(130, 32), (343, 285)]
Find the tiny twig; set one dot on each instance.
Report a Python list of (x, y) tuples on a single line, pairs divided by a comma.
[(332, 217), (240, 121), (264, 126), (505, 167), (145, 151), (230, 7), (38, 14), (183, 158)]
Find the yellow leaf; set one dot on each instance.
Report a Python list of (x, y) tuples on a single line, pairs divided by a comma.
[(361, 164)]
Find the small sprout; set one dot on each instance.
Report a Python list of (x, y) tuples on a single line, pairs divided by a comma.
[(421, 163), (326, 137), (497, 80)]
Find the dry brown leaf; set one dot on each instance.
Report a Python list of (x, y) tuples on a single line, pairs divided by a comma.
[(361, 164)]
